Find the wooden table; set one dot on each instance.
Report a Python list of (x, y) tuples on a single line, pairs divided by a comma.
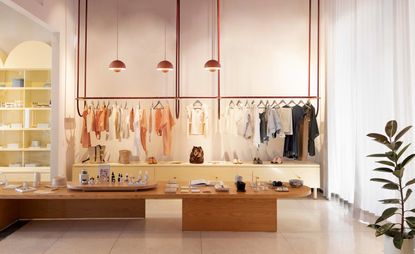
[(215, 211)]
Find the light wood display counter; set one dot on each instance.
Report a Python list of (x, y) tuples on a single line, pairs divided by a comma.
[(214, 211), (307, 171)]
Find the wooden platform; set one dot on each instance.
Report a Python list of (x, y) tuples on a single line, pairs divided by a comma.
[(217, 211)]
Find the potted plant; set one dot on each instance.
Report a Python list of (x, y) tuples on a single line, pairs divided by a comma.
[(399, 236)]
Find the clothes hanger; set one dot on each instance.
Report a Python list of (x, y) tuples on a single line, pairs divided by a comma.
[(158, 105), (261, 105), (291, 102), (239, 104), (274, 104), (231, 104), (281, 102), (246, 103), (197, 104)]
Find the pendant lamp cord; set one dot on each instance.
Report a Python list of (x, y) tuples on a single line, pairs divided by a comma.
[(117, 28), (165, 41), (213, 30)]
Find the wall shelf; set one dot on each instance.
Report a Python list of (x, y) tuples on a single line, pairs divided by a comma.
[(27, 118)]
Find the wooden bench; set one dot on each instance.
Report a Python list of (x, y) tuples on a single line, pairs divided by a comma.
[(215, 211)]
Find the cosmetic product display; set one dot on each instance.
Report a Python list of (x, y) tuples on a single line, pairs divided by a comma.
[(84, 177)]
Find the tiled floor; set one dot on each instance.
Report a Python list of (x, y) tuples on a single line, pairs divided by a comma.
[(304, 227)]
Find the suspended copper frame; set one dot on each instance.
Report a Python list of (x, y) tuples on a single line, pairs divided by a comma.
[(177, 97)]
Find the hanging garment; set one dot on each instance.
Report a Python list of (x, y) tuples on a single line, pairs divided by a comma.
[(106, 119), (291, 144), (111, 123), (90, 120), (248, 123), (117, 122), (197, 120), (150, 124), (163, 124), (263, 127), (274, 123), (256, 140), (97, 117), (137, 131), (85, 135), (143, 129), (157, 121), (102, 119), (230, 121), (313, 131), (131, 122), (240, 121), (286, 117), (125, 123), (304, 133)]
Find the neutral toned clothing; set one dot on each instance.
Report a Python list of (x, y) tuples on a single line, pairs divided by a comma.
[(256, 140), (313, 131), (125, 123), (292, 142), (286, 120), (163, 125), (197, 120), (117, 122), (85, 134), (137, 131), (273, 124), (143, 129), (131, 123)]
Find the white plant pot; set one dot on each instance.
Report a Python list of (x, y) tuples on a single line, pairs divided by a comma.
[(407, 247)]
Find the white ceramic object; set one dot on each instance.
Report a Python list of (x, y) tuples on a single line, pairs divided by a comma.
[(35, 143), (16, 126), (36, 179), (407, 247), (42, 125), (13, 146)]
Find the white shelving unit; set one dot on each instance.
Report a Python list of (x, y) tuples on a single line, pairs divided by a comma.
[(19, 123)]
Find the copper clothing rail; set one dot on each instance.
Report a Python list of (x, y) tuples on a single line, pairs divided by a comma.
[(190, 97), (177, 96)]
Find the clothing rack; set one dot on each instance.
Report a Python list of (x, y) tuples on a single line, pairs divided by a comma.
[(177, 98)]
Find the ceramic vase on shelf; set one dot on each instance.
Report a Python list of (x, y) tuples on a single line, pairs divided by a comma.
[(407, 247)]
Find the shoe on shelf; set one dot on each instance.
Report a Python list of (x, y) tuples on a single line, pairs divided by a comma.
[(259, 161)]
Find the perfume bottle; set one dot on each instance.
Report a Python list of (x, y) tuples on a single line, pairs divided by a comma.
[(126, 178)]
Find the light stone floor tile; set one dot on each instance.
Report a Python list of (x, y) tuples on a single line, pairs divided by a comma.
[(244, 243), (305, 226)]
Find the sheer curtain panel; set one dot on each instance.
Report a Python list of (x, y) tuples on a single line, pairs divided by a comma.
[(370, 79)]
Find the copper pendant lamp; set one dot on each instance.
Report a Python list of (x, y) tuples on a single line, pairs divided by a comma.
[(213, 65), (165, 65), (117, 65)]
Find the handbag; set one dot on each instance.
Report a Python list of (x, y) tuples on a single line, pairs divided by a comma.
[(96, 154), (197, 155)]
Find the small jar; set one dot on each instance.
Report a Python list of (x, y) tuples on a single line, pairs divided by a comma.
[(84, 177)]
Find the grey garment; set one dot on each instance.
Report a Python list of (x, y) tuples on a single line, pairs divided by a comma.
[(292, 142), (313, 131), (274, 123), (249, 125), (263, 125)]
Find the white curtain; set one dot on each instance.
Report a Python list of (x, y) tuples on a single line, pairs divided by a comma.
[(370, 79)]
